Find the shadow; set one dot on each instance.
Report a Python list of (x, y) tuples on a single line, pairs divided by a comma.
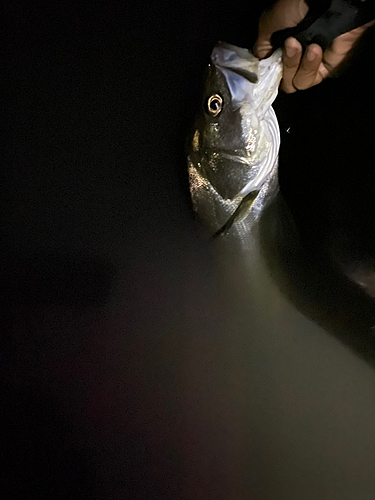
[(308, 275), (317, 237)]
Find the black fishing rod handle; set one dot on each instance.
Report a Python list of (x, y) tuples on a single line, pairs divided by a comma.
[(326, 20)]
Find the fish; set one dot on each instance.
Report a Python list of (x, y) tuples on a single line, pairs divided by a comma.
[(234, 145), (271, 278)]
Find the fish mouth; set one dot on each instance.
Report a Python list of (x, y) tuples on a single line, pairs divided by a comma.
[(239, 68), (244, 73), (248, 79), (234, 55)]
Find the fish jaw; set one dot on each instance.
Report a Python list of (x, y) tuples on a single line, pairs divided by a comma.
[(269, 78), (271, 137)]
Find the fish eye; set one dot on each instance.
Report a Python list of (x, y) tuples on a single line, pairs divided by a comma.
[(214, 104)]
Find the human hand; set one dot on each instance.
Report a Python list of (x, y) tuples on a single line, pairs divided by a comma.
[(302, 71)]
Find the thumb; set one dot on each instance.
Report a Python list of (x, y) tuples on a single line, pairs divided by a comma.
[(283, 14)]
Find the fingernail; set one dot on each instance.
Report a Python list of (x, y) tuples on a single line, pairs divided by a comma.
[(311, 55), (291, 51)]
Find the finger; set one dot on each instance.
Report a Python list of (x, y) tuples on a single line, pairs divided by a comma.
[(341, 46), (308, 73), (262, 47), (291, 60)]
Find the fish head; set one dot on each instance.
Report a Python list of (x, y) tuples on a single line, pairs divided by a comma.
[(236, 136)]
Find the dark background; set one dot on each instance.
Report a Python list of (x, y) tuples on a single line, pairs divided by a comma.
[(112, 311)]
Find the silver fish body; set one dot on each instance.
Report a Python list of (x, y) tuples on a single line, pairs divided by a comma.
[(234, 146)]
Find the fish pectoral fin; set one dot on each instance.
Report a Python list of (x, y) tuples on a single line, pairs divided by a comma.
[(239, 214)]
